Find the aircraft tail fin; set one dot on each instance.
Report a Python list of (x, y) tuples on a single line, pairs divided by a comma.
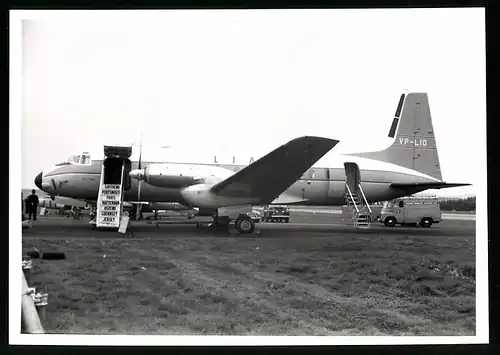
[(414, 146)]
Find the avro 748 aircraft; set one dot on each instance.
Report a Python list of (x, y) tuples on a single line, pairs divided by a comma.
[(409, 165)]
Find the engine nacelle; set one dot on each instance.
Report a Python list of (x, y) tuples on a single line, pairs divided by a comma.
[(170, 175)]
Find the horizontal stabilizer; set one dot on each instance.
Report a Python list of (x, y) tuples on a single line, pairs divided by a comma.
[(427, 185), (266, 178)]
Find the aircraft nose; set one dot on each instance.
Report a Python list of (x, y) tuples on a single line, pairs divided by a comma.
[(38, 181)]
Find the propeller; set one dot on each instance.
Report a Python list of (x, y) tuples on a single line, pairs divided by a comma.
[(139, 184)]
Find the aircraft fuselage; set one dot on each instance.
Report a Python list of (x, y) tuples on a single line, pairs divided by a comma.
[(318, 186)]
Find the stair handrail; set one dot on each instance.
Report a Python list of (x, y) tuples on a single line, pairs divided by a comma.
[(352, 198), (364, 198), (99, 196), (122, 193)]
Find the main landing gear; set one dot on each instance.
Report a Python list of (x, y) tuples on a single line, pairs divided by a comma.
[(243, 223)]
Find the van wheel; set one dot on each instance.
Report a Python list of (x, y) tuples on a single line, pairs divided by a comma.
[(426, 222), (390, 222), (244, 224)]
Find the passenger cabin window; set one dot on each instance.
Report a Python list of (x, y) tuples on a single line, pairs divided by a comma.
[(401, 204)]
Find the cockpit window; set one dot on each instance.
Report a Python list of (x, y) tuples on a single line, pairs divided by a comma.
[(83, 159)]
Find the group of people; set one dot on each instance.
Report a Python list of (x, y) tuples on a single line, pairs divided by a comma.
[(30, 205)]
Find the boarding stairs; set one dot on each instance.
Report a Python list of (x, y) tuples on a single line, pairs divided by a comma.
[(111, 187), (357, 205)]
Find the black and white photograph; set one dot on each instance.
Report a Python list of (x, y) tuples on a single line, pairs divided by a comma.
[(248, 177)]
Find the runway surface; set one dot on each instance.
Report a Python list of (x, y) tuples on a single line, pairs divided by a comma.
[(317, 275), (303, 224)]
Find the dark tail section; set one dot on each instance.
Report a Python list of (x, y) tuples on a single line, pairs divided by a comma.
[(414, 146), (427, 185)]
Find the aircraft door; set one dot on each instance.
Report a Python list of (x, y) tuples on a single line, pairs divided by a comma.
[(113, 169), (126, 178), (352, 176)]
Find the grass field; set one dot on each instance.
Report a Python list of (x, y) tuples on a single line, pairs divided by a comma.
[(317, 284)]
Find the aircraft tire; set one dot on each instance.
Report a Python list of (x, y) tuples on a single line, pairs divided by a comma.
[(244, 224), (390, 222), (426, 222)]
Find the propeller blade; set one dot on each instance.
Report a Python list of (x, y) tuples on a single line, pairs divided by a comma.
[(139, 205), (139, 184), (140, 153)]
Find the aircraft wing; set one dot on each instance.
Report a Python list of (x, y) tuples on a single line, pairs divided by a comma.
[(267, 177), (427, 185)]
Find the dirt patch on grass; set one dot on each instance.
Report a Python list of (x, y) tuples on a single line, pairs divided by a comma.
[(341, 285)]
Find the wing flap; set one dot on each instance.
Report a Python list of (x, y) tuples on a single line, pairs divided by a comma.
[(267, 177), (286, 199)]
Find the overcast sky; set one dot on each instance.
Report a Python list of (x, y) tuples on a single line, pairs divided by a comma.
[(243, 82)]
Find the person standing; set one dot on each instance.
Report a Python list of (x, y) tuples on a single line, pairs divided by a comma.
[(32, 204), (23, 203)]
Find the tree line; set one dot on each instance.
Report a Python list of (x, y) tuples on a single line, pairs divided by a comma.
[(462, 204)]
